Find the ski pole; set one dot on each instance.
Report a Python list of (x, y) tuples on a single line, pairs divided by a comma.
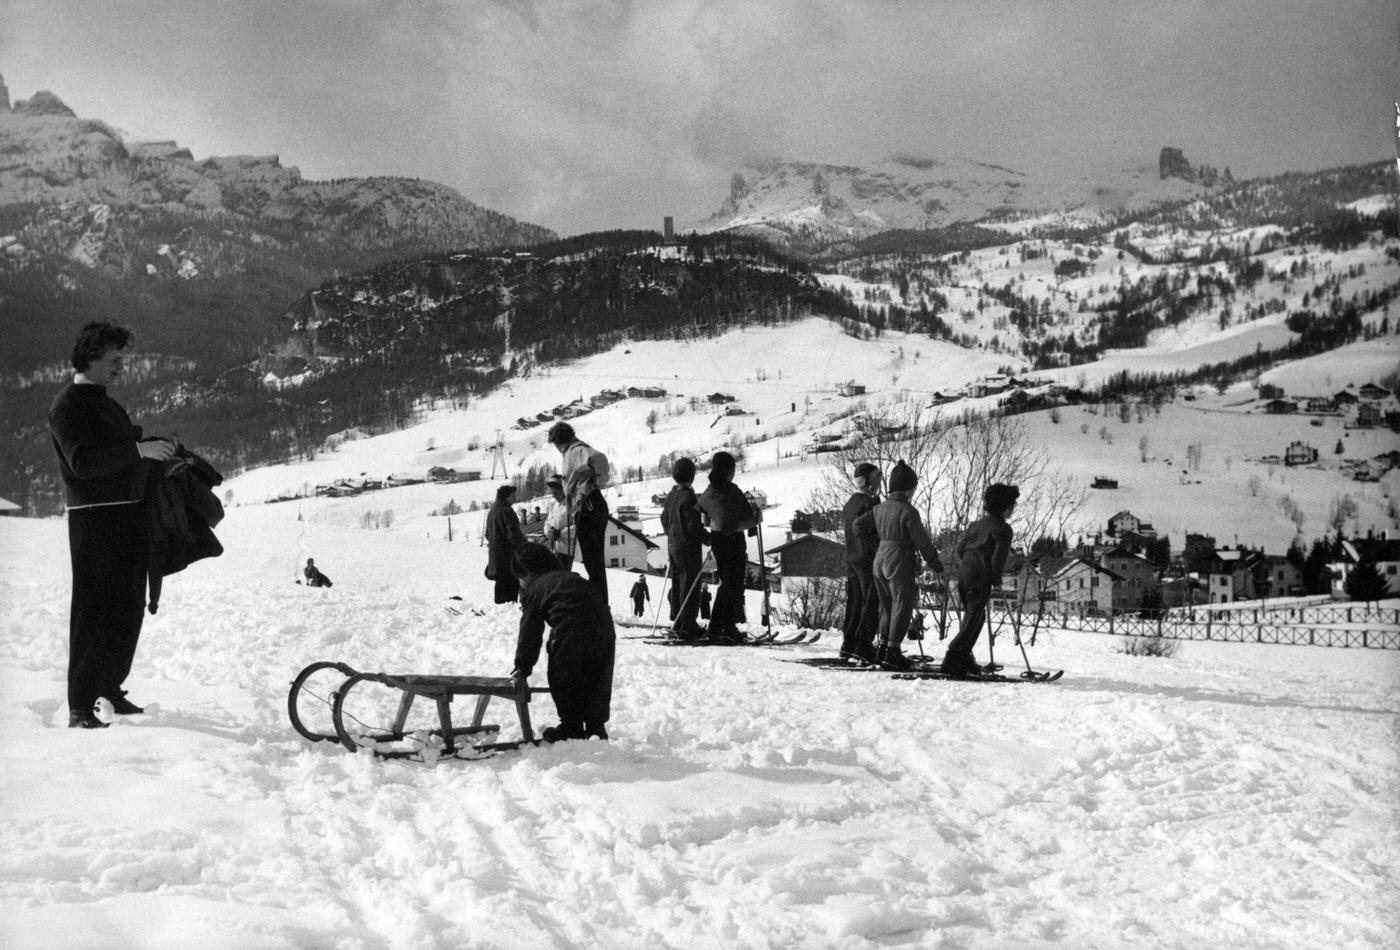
[(656, 615)]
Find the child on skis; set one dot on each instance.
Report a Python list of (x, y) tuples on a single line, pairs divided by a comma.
[(902, 538), (981, 553)]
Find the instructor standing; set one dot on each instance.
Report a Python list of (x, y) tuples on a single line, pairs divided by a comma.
[(100, 457)]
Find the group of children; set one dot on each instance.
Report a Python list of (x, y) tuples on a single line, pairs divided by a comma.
[(884, 542)]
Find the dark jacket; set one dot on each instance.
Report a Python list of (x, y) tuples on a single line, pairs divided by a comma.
[(680, 519), (503, 536), (95, 441), (726, 507), (982, 551), (578, 619), (184, 511), (859, 549)]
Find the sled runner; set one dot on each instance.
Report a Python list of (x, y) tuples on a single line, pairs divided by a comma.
[(332, 701)]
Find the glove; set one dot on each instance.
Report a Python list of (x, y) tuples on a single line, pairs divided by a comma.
[(519, 681)]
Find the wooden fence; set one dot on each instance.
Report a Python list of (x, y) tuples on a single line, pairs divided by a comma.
[(1362, 626)]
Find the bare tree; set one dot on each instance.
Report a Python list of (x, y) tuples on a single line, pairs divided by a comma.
[(955, 461)]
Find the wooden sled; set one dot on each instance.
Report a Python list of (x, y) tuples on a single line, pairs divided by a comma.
[(331, 701)]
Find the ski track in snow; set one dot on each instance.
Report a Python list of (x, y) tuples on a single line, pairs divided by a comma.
[(1234, 796)]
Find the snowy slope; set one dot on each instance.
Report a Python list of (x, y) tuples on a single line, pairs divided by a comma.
[(1236, 795)]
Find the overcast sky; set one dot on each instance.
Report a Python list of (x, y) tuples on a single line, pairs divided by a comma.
[(591, 114)]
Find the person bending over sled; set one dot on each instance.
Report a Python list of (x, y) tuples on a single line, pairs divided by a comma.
[(981, 553), (580, 648)]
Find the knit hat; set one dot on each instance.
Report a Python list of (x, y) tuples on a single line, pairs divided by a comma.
[(902, 477), (504, 492), (862, 473), (683, 470)]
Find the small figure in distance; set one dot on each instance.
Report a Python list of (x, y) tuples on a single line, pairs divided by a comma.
[(313, 575), (640, 595), (582, 642)]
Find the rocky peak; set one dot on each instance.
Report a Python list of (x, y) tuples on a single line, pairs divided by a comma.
[(43, 102)]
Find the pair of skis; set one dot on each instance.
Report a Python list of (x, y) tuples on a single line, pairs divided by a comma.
[(768, 639)]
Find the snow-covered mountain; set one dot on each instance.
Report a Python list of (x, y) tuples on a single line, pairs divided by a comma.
[(811, 203), (48, 155)]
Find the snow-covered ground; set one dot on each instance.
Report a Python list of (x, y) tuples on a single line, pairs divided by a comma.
[(1234, 795)]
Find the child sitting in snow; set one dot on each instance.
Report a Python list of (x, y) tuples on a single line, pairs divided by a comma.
[(581, 642)]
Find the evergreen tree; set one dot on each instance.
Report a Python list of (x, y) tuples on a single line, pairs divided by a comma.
[(1364, 582)]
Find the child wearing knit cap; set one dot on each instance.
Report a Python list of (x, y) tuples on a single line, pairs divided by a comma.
[(902, 538)]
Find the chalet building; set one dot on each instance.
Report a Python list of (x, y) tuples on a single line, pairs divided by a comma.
[(850, 388), (1231, 575), (1368, 414), (625, 547), (1183, 592), (1270, 391), (1139, 577), (1299, 453), (807, 556), (989, 386), (1086, 585), (1372, 393), (1277, 576), (1321, 404), (1383, 552), (1280, 407), (1026, 579), (1125, 522), (1344, 398)]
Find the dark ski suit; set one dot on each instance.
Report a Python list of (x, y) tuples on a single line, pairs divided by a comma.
[(581, 647), (902, 538), (685, 536), (862, 602), (640, 594), (982, 552), (726, 508), (503, 536)]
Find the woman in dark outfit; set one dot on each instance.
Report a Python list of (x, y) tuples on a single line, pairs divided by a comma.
[(102, 459), (503, 537), (581, 644)]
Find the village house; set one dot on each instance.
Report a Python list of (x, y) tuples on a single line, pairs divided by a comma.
[(1231, 575), (1083, 584), (1124, 522), (1270, 391), (1027, 579), (1277, 576), (1383, 552), (1373, 393), (625, 547), (1280, 406), (1183, 591), (1321, 404), (1138, 577), (1369, 415), (1299, 453), (806, 556)]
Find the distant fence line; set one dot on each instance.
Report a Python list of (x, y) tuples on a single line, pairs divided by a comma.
[(1325, 625)]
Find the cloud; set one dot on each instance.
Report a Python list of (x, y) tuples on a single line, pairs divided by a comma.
[(584, 114)]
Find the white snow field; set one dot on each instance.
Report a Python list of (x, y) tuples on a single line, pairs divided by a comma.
[(1232, 796)]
